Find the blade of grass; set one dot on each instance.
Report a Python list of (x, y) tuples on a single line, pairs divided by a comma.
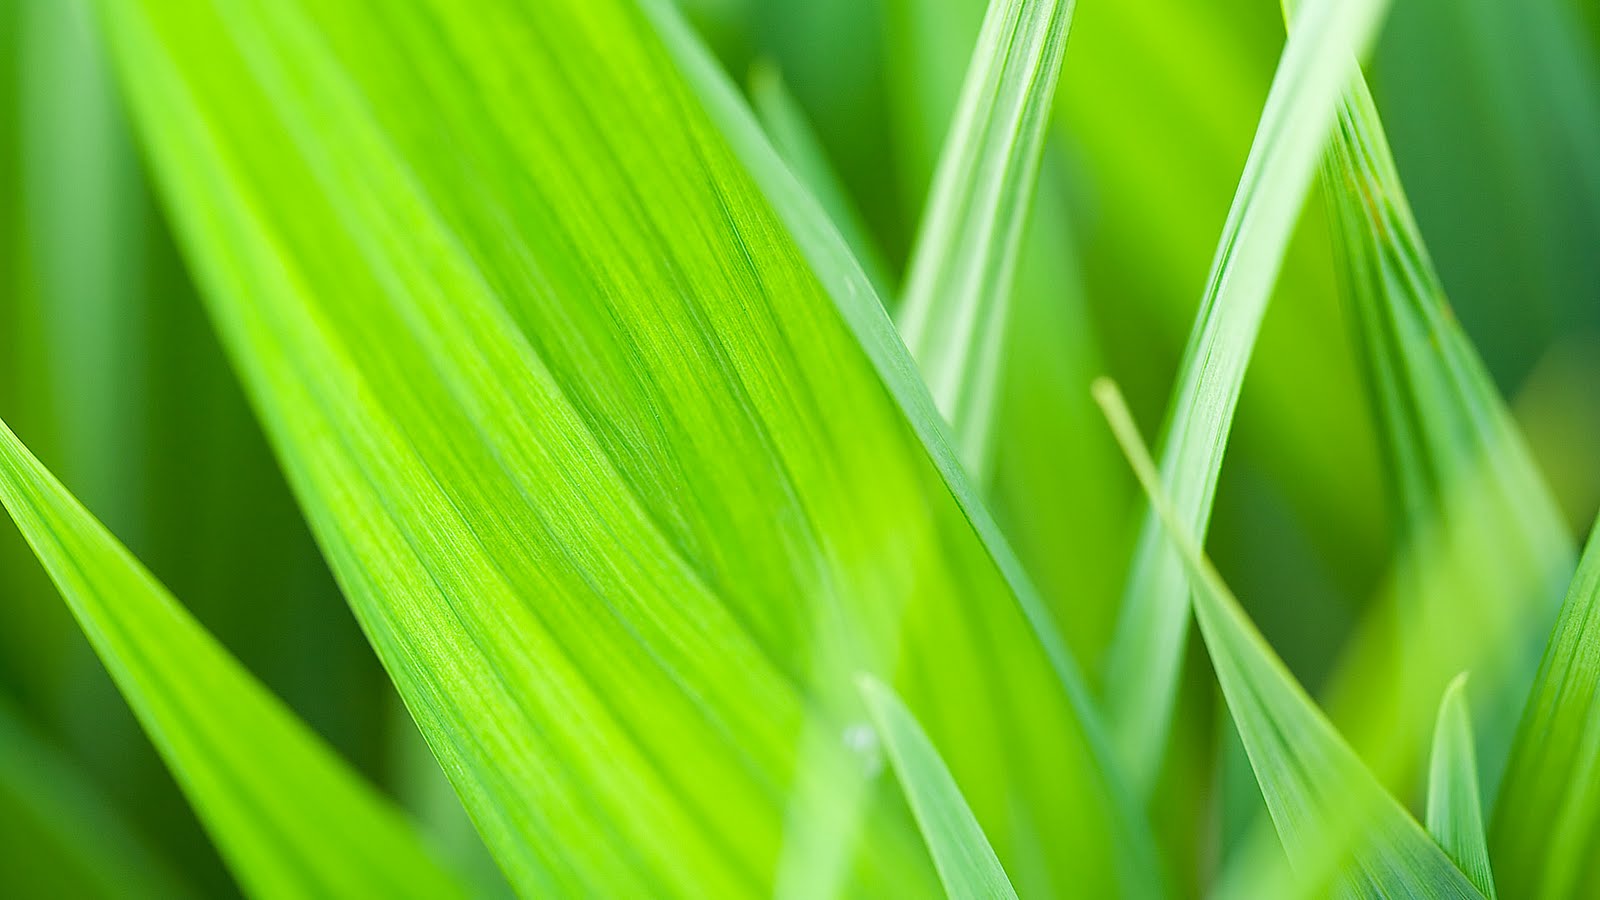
[(576, 419), (966, 863), (791, 134), (1325, 802), (1145, 657), (60, 836), (956, 306), (1545, 831), (1455, 810), (289, 816), (1465, 481)]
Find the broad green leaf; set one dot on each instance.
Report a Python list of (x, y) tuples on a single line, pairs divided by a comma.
[(955, 312), (967, 864), (1145, 657), (1455, 809), (60, 836), (1322, 798), (580, 392), (1545, 830), (791, 134), (289, 816)]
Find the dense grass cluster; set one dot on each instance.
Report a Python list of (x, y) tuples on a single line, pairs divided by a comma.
[(624, 448)]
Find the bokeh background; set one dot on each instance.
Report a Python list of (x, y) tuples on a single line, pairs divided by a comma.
[(110, 372)]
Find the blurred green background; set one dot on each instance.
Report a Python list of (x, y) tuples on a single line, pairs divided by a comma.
[(110, 371)]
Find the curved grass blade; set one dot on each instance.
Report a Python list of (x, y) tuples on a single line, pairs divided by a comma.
[(791, 134), (967, 864), (1455, 810), (958, 289), (1483, 539), (576, 418), (60, 837), (1545, 831), (289, 816), (1143, 662), (1058, 477), (1329, 809)]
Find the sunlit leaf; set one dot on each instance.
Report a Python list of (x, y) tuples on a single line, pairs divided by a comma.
[(289, 816), (1146, 654), (966, 863), (1455, 809), (610, 444), (1326, 804), (955, 312), (1545, 831)]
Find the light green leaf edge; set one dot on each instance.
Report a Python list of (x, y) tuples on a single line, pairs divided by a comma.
[(1146, 652), (290, 817), (955, 310), (967, 864), (1544, 834), (1455, 808), (797, 142), (1325, 803)]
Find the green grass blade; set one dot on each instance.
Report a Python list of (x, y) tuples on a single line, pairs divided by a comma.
[(60, 836), (573, 454), (1322, 798), (791, 134), (1455, 809), (967, 864), (1145, 657), (955, 311), (1545, 830), (1482, 537), (1058, 477), (289, 816)]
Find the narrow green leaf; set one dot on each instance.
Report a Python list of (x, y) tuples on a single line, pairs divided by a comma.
[(289, 816), (967, 864), (1455, 810), (1483, 542), (791, 134), (1143, 663), (1545, 831), (1058, 477), (958, 290), (573, 454), (60, 836), (1327, 806)]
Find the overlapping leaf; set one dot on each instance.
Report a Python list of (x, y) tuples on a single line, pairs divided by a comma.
[(289, 816), (1332, 815), (1455, 809), (954, 315), (608, 440), (1545, 831), (1145, 657), (966, 863)]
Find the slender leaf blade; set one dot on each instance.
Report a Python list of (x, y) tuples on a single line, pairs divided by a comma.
[(967, 864), (1545, 830), (1143, 663), (956, 305), (1326, 804), (1455, 809), (289, 816)]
